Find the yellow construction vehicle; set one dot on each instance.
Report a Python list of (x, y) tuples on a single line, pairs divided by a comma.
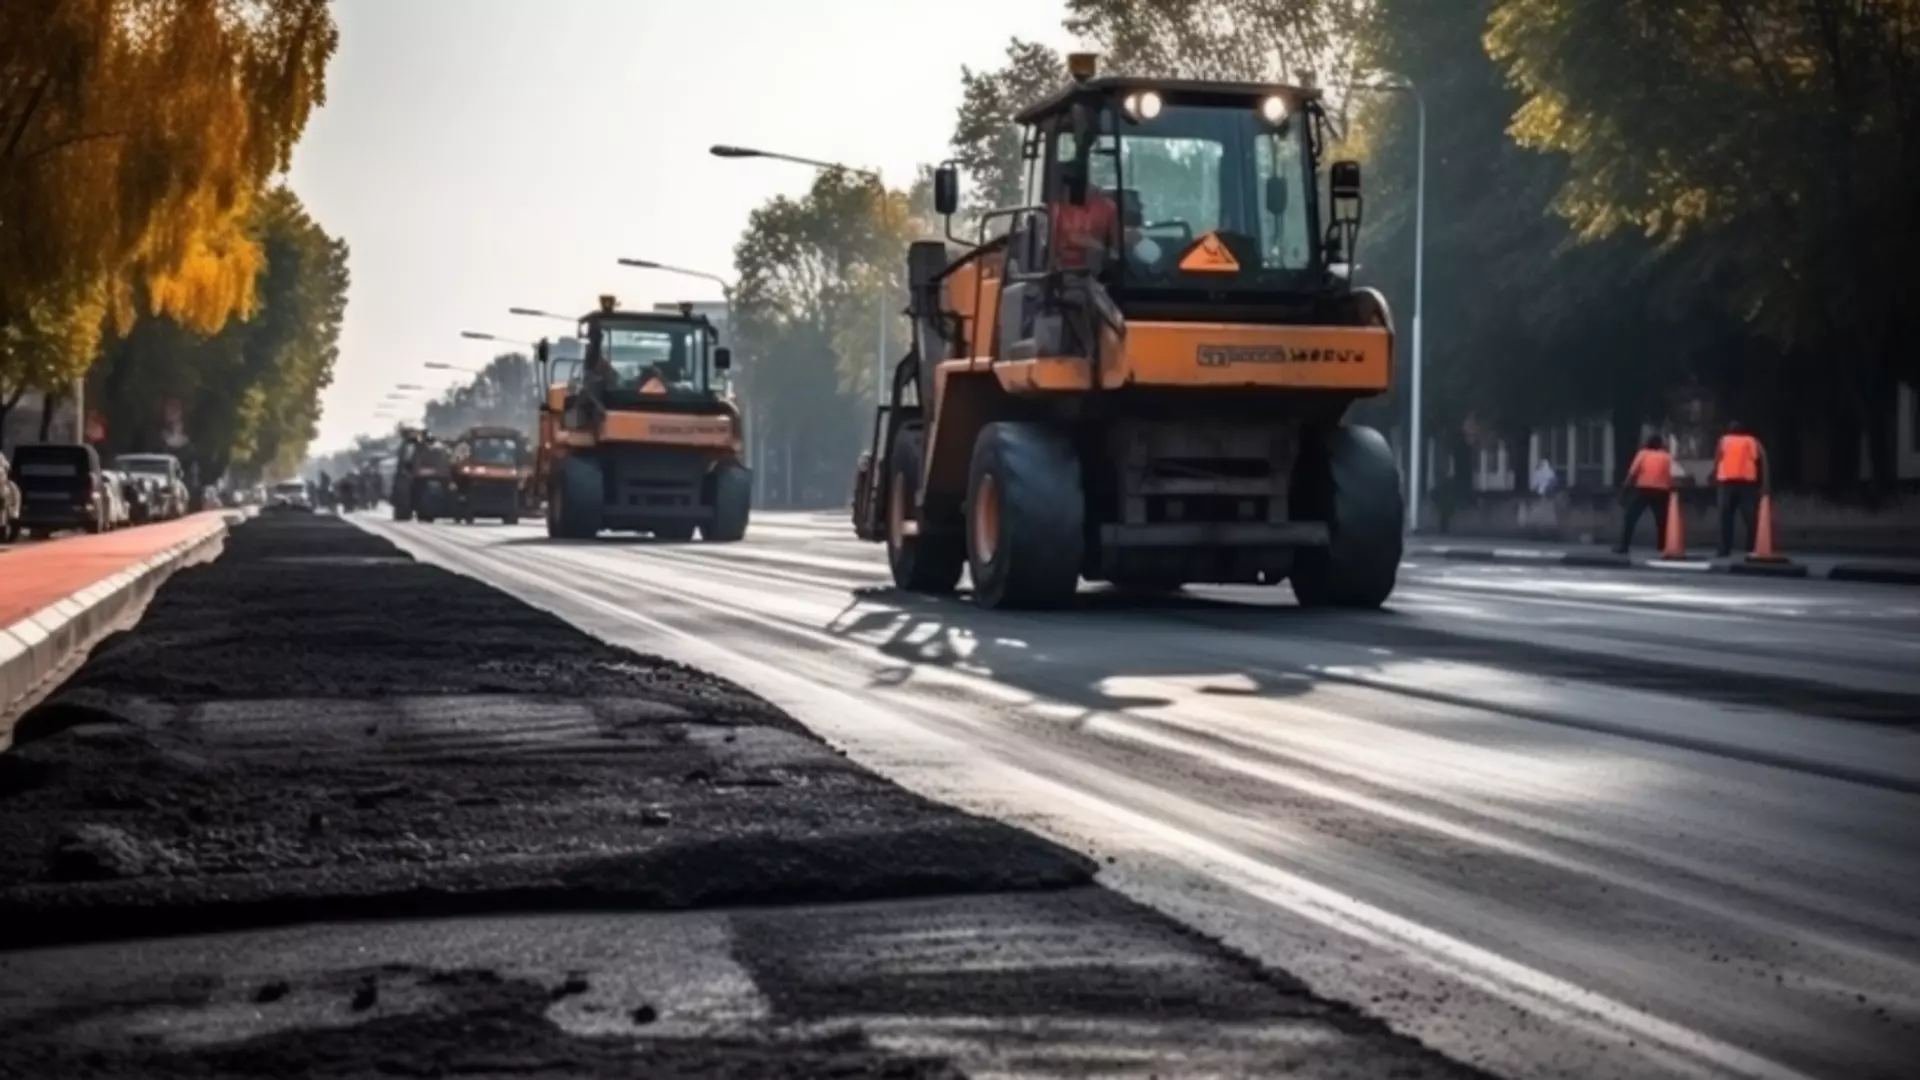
[(643, 437), (1143, 380)]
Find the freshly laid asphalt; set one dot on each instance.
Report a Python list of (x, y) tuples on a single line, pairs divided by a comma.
[(1552, 821), (328, 811)]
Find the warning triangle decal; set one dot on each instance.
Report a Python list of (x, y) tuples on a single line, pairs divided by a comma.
[(1210, 256)]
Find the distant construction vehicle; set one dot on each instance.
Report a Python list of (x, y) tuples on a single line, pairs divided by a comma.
[(422, 471), (491, 465), (1144, 381), (642, 436)]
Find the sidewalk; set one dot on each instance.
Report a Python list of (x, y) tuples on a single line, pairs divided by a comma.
[(38, 575), (1828, 567)]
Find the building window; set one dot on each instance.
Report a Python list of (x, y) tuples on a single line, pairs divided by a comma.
[(1590, 466)]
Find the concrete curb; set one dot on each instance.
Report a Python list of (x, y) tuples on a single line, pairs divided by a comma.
[(1878, 574), (1874, 574), (40, 645)]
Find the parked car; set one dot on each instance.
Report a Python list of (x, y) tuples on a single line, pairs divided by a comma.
[(61, 487), (9, 504), (165, 468), (142, 495), (114, 486)]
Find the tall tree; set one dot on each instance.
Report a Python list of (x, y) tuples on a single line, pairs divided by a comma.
[(504, 394), (249, 394), (1770, 148), (810, 273), (134, 135), (1231, 40)]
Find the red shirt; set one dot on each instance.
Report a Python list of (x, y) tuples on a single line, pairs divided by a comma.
[(1078, 230)]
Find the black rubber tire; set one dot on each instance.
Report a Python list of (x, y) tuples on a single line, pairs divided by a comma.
[(1347, 477), (1036, 555), (674, 533), (582, 495), (930, 562), (732, 505)]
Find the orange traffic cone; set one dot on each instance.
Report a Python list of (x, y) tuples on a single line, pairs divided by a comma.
[(1763, 535), (1674, 544)]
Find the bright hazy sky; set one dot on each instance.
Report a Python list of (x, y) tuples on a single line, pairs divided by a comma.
[(481, 154)]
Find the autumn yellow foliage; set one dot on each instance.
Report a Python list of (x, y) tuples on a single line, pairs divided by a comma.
[(134, 137)]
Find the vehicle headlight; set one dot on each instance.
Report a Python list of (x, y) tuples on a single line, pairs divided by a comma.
[(1274, 110), (1144, 105)]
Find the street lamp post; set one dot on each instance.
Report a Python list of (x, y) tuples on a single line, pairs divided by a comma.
[(436, 365), (1416, 481), (880, 359)]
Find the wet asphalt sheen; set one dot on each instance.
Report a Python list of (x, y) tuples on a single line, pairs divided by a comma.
[(1549, 821), (328, 811)]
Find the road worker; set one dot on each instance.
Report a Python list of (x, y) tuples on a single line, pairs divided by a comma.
[(1647, 486), (1083, 234), (1739, 470)]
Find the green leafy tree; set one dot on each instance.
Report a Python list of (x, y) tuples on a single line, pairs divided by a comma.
[(1770, 149), (249, 394), (810, 277), (134, 136), (1229, 40), (504, 394)]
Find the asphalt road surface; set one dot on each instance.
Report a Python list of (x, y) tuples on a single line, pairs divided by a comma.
[(1551, 822)]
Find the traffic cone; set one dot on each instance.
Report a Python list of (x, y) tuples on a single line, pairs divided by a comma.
[(1763, 535), (1674, 544)]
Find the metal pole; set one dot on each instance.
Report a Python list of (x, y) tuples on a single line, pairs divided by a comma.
[(880, 361), (1418, 483)]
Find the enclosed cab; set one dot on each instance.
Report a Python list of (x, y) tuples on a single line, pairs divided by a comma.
[(1143, 380), (490, 470), (643, 437)]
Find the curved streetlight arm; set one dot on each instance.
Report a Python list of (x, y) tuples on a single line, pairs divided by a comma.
[(726, 286), (536, 313), (749, 152), (480, 335)]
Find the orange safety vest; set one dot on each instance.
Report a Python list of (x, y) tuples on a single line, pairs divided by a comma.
[(1651, 470), (1739, 460)]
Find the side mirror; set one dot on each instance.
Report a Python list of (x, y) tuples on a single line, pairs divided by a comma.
[(946, 190), (722, 358), (1343, 189), (1277, 195), (1343, 217)]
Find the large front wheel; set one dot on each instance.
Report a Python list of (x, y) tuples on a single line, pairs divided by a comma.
[(1026, 513), (579, 496), (1347, 477), (732, 503)]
